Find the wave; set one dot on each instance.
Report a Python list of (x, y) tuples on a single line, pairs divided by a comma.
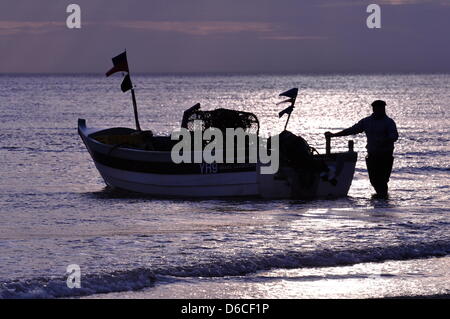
[(425, 153), (422, 169), (141, 278), (32, 149), (412, 170), (126, 280)]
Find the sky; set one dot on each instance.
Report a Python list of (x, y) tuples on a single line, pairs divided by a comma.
[(227, 36)]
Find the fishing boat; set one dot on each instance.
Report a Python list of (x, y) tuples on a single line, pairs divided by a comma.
[(138, 161)]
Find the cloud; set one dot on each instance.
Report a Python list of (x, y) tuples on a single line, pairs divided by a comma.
[(293, 37), (406, 2), (332, 4), (30, 27), (267, 31), (201, 28)]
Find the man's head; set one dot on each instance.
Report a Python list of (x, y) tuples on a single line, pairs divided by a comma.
[(379, 107)]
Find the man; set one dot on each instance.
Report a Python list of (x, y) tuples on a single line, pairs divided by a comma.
[(381, 133)]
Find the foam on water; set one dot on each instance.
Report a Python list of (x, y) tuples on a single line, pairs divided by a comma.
[(140, 278)]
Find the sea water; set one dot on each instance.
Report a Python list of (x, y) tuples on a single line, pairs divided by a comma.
[(55, 210)]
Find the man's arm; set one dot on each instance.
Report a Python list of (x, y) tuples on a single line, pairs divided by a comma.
[(355, 129), (393, 133)]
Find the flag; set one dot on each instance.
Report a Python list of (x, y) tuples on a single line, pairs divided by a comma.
[(120, 64), (287, 110), (292, 93), (126, 83), (285, 101)]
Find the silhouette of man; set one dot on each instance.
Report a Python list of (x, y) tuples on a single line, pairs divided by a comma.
[(381, 133)]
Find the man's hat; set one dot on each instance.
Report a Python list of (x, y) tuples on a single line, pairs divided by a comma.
[(379, 103)]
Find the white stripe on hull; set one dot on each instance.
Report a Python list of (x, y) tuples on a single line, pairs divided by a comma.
[(344, 181), (206, 185)]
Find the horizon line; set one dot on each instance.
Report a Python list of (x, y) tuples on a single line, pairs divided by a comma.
[(221, 73)]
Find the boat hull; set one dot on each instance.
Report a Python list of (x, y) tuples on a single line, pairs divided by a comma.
[(154, 173), (188, 185)]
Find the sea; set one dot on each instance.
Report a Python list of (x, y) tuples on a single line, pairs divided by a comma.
[(56, 211)]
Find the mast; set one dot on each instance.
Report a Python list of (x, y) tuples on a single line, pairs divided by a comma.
[(120, 64), (292, 96), (133, 98), (136, 116)]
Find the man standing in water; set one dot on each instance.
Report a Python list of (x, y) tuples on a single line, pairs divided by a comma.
[(381, 133)]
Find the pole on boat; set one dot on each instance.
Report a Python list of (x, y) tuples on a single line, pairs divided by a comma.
[(287, 121), (128, 85), (292, 96), (136, 116), (120, 63), (328, 144)]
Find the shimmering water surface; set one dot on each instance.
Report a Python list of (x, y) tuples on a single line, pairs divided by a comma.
[(56, 211)]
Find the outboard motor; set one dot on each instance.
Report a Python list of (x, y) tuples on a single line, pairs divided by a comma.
[(296, 152)]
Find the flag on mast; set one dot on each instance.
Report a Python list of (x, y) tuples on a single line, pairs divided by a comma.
[(287, 110), (292, 95), (126, 83), (120, 64)]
